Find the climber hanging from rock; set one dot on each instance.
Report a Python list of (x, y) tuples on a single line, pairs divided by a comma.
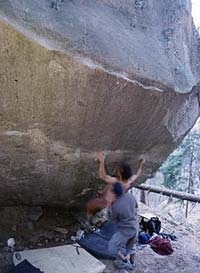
[(123, 174)]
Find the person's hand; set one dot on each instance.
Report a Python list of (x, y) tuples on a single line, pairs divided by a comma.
[(141, 161), (100, 157)]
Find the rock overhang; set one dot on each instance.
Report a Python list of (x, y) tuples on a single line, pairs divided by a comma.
[(58, 109), (151, 40)]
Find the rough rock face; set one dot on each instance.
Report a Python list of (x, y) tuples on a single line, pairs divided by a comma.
[(81, 76)]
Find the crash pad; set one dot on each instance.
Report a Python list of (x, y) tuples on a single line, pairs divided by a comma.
[(61, 259), (96, 243)]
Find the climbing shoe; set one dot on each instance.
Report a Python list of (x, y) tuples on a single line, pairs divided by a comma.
[(120, 264)]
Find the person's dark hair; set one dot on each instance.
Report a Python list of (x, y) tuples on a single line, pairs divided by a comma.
[(117, 189), (125, 170)]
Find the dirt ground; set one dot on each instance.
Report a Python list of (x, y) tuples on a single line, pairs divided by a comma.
[(185, 259), (43, 232), (29, 233)]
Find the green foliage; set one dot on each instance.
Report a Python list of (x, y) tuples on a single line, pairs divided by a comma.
[(181, 169), (171, 170)]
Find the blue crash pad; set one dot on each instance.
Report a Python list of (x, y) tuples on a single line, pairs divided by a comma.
[(96, 243)]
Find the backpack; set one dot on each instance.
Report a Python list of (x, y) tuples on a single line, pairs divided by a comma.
[(161, 246), (153, 226)]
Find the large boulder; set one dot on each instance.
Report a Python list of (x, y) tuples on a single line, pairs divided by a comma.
[(81, 76)]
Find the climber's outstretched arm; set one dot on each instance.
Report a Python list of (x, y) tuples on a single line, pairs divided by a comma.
[(131, 181), (102, 172)]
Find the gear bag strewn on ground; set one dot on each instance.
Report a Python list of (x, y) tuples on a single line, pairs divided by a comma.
[(161, 246), (151, 226)]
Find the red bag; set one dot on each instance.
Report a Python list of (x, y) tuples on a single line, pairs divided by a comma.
[(161, 246)]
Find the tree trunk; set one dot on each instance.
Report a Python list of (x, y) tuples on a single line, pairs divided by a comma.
[(142, 197), (190, 181), (176, 194)]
